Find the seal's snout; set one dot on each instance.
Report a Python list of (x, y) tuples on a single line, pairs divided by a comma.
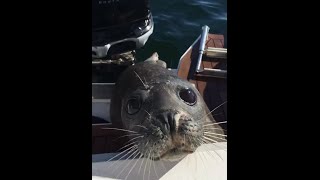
[(174, 134), (169, 121)]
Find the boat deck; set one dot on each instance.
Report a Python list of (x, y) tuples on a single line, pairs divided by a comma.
[(206, 163), (213, 90)]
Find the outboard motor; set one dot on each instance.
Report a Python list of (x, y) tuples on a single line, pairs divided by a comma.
[(119, 26)]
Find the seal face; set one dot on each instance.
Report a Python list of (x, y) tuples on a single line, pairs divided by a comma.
[(167, 113)]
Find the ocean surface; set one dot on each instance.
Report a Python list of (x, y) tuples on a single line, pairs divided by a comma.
[(178, 23)]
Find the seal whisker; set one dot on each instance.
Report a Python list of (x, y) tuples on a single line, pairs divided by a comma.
[(195, 157), (145, 81), (209, 140), (207, 149), (118, 161), (154, 168), (214, 109), (131, 140), (135, 138), (204, 137), (133, 148), (213, 136), (145, 166), (217, 144), (136, 154), (141, 126), (119, 154), (145, 86), (127, 145), (146, 144), (150, 161), (206, 132), (118, 129), (222, 122), (208, 129), (144, 159), (127, 136), (133, 166), (147, 112), (211, 126), (199, 142), (141, 163), (199, 153)]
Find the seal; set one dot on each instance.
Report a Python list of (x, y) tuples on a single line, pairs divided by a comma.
[(165, 116)]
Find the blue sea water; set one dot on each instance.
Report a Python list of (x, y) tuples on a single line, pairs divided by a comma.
[(178, 23)]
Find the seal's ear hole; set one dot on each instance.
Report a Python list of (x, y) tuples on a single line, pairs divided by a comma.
[(133, 105), (188, 96)]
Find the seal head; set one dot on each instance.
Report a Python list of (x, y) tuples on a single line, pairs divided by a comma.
[(167, 112)]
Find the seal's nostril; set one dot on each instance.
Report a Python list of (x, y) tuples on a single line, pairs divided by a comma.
[(171, 122), (166, 118), (163, 118)]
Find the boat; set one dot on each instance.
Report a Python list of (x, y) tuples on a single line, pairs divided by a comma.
[(204, 64)]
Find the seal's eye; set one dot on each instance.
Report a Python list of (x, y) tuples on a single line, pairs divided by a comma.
[(133, 105), (188, 96)]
